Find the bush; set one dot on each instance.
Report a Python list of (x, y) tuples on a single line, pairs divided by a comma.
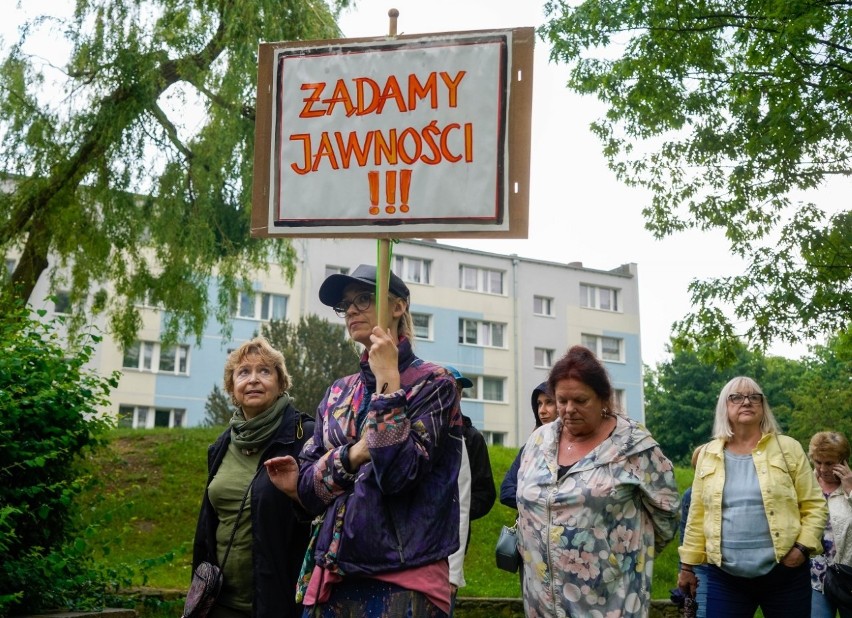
[(50, 420)]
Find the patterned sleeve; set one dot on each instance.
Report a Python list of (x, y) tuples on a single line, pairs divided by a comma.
[(322, 476), (660, 497), (404, 429)]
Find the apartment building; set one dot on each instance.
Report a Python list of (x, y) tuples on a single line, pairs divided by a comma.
[(502, 320)]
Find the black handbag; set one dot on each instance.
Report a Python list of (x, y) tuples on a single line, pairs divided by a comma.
[(507, 554), (207, 578), (837, 585)]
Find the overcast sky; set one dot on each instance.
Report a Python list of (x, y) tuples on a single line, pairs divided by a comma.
[(578, 210)]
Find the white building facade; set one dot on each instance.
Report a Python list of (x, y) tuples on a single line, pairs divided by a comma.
[(501, 320)]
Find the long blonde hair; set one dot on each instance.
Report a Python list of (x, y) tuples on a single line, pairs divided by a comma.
[(722, 426)]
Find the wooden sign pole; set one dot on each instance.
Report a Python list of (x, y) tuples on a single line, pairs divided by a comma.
[(383, 254)]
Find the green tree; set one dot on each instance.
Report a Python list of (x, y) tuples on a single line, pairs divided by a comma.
[(131, 156), (681, 393), (316, 351), (823, 399), (50, 420), (218, 409), (723, 110)]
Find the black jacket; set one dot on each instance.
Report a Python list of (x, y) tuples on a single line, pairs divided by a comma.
[(279, 538), (482, 491)]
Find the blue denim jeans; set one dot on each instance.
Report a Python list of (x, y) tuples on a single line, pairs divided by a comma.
[(821, 607), (784, 592)]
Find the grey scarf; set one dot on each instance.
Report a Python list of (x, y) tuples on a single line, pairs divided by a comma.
[(249, 435)]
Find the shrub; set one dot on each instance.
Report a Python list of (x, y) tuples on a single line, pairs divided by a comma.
[(50, 420)]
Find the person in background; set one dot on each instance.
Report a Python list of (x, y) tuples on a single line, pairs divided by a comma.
[(456, 559), (381, 468), (829, 453), (757, 513), (597, 501), (482, 491), (701, 591), (544, 411), (266, 554), (476, 486)]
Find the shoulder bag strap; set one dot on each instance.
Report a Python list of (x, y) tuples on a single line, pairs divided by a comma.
[(239, 515)]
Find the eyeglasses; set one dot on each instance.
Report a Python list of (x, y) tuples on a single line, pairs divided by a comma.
[(362, 302), (737, 398)]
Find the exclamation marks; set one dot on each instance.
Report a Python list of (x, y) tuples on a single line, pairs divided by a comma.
[(391, 177), (373, 179), (390, 191), (404, 188)]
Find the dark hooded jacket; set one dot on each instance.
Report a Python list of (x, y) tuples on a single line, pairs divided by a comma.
[(280, 532), (509, 486), (482, 492)]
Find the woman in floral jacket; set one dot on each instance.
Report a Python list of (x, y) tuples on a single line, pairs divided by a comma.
[(597, 500)]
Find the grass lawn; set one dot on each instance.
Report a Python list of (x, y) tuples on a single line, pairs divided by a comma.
[(151, 483)]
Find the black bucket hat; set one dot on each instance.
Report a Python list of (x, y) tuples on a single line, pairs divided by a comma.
[(331, 290)]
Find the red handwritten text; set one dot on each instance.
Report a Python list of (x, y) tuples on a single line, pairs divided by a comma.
[(366, 96), (430, 145)]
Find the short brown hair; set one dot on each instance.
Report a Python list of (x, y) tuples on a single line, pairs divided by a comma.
[(269, 355), (829, 445)]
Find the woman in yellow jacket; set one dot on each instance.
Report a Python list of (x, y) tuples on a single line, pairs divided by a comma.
[(756, 515)]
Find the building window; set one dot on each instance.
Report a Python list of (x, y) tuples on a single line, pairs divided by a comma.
[(174, 359), (145, 355), (495, 438), (246, 306), (139, 356), (544, 357), (273, 307), (422, 325), (486, 388), (594, 297), (335, 270), (486, 334), (125, 416), (481, 279), (414, 270), (620, 400), (140, 417), (61, 302), (492, 389), (542, 305), (262, 306), (606, 348)]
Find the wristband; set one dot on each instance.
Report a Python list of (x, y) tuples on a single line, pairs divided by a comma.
[(688, 570), (803, 549)]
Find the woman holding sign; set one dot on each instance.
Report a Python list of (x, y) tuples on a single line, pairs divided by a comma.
[(381, 469)]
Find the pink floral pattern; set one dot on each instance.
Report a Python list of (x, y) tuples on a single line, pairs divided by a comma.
[(588, 539)]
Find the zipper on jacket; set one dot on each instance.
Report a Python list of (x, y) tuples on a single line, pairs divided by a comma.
[(548, 503)]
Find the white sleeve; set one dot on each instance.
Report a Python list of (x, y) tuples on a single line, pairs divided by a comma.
[(457, 559)]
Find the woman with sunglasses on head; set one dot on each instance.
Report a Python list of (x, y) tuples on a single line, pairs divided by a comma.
[(757, 513), (381, 468)]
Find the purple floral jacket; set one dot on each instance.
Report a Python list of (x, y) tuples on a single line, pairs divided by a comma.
[(401, 509)]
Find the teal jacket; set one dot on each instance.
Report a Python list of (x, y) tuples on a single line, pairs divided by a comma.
[(793, 501)]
